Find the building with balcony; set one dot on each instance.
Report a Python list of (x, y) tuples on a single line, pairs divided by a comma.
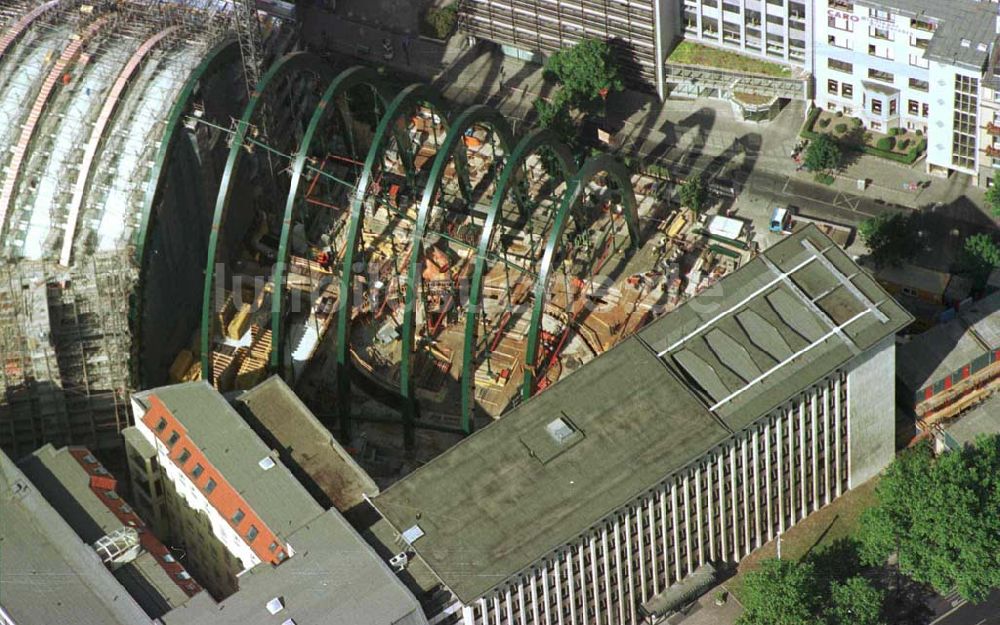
[(698, 439), (912, 64), (252, 534)]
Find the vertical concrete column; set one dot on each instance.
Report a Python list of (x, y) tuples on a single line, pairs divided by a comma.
[(484, 612), (607, 578), (743, 24), (497, 618), (790, 433), (653, 560), (534, 599), (571, 581), (871, 388), (709, 473), (756, 486), (720, 468), (583, 576), (734, 503), (744, 451), (698, 518), (510, 607), (687, 523), (594, 578), (557, 570), (631, 566), (677, 533), (468, 615), (521, 604), (621, 579), (546, 599), (837, 410), (826, 442), (815, 452), (779, 449), (802, 453), (663, 537), (767, 478)]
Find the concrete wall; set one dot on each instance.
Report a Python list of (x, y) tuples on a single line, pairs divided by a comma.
[(871, 412)]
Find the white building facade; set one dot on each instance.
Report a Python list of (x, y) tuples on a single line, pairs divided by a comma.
[(731, 501)]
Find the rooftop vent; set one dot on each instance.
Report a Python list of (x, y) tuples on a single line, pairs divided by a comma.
[(266, 463), (168, 558), (288, 621), (399, 561), (90, 459), (275, 605), (966, 43), (411, 535), (560, 430), (183, 575), (982, 47)]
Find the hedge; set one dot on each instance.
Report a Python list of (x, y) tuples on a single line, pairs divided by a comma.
[(886, 143), (907, 159)]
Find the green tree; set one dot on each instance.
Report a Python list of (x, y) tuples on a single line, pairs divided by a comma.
[(941, 516), (993, 200), (891, 239), (823, 154), (556, 117), (694, 193), (441, 22), (780, 592), (855, 602), (586, 71), (980, 256)]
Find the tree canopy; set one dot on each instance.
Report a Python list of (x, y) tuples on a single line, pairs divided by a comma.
[(821, 589), (891, 239), (980, 256), (694, 193), (823, 154), (993, 200), (586, 71), (780, 592), (941, 516)]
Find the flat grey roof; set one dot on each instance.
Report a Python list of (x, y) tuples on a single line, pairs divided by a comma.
[(957, 20), (334, 578), (511, 493), (947, 347), (235, 451), (47, 573), (66, 486), (984, 419), (305, 444)]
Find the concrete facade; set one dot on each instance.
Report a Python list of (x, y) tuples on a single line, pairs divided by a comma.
[(775, 30), (746, 492)]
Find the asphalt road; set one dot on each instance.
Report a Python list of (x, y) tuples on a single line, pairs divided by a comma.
[(985, 613)]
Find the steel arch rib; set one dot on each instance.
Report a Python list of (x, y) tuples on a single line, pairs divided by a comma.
[(346, 80), (69, 54), (477, 114), (529, 145), (604, 163), (11, 34), (97, 133), (410, 95), (294, 62), (220, 53)]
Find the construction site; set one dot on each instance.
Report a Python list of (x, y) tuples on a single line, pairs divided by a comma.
[(413, 270)]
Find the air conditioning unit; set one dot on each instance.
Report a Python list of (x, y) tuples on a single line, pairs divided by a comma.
[(399, 561)]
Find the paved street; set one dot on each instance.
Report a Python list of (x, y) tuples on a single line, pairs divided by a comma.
[(955, 611)]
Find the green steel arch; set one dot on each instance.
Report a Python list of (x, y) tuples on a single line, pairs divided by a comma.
[(341, 85), (606, 164), (296, 62), (412, 95), (222, 54), (475, 115), (530, 144)]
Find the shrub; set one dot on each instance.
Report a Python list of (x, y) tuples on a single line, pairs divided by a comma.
[(902, 145), (840, 128), (886, 143), (823, 178), (840, 114), (922, 145), (823, 123), (893, 132), (856, 122), (441, 22), (920, 133)]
